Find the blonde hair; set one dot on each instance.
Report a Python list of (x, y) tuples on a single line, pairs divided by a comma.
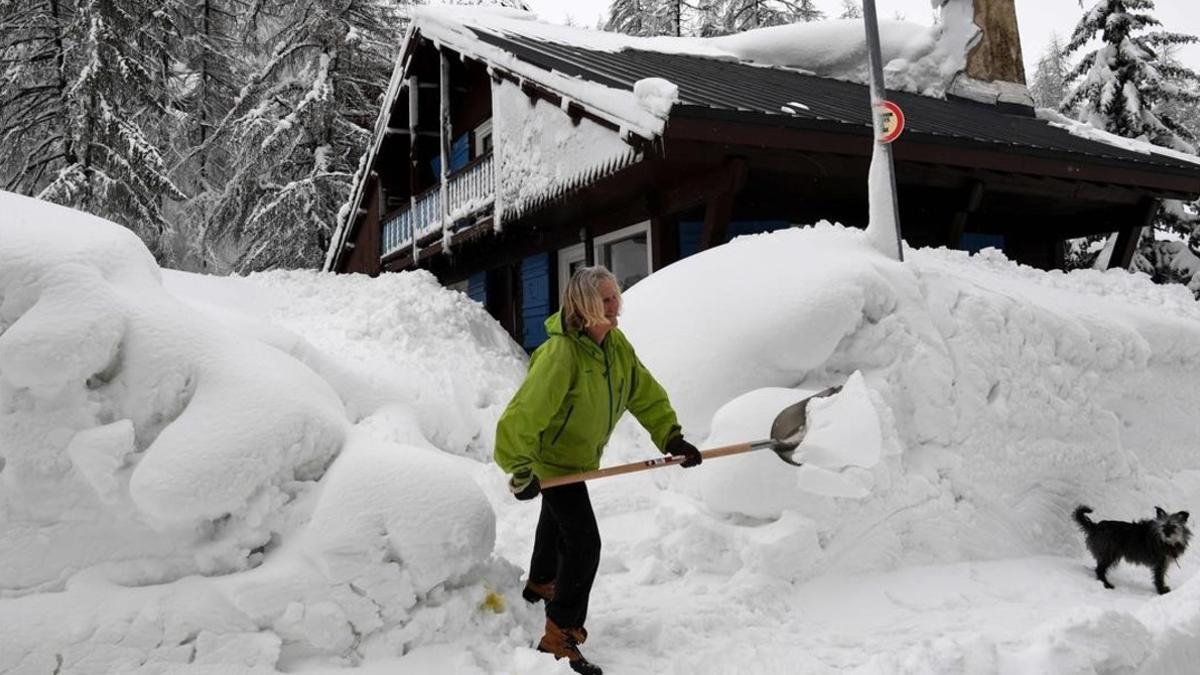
[(582, 304)]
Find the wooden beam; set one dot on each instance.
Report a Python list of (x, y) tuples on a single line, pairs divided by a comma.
[(394, 131), (1129, 236), (444, 127), (664, 235), (413, 162), (958, 223), (853, 141), (716, 220), (720, 204)]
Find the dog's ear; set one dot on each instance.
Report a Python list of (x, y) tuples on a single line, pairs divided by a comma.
[(1159, 513), (1182, 515)]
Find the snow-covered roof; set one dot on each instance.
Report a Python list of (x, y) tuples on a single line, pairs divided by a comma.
[(919, 59)]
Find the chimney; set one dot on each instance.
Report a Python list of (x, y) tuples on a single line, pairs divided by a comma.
[(997, 56), (995, 71)]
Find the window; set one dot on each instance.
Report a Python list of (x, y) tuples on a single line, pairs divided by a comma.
[(483, 139), (626, 253), (570, 259)]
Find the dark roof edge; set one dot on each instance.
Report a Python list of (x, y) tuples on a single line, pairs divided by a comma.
[(1159, 164)]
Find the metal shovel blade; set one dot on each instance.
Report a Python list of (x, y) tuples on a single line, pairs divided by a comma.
[(790, 425)]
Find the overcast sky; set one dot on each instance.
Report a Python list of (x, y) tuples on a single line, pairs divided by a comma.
[(1037, 18)]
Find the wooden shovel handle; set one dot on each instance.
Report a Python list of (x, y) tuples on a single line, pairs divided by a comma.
[(666, 460)]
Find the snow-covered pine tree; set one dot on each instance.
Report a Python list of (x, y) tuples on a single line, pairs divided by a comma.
[(851, 9), (1130, 86), (1049, 86), (33, 90), (1183, 109), (668, 17), (111, 118), (742, 15), (213, 62), (1121, 85), (299, 126), (630, 17)]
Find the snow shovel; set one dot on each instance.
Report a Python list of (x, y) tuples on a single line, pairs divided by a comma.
[(786, 433)]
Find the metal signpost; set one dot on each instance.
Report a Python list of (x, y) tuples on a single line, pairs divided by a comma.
[(880, 107)]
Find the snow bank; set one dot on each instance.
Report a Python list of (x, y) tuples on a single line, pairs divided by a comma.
[(416, 363), (992, 397), (183, 479)]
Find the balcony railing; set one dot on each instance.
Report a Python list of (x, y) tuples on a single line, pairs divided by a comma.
[(468, 191)]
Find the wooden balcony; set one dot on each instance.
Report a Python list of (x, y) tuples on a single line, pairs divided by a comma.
[(469, 191)]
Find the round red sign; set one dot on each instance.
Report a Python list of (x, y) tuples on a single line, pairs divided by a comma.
[(892, 121)]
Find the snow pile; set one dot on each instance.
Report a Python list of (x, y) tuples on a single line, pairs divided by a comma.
[(656, 95), (188, 489), (919, 59), (398, 345), (992, 397)]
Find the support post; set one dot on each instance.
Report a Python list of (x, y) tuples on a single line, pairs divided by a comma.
[(444, 126), (664, 236), (720, 205), (1129, 236), (716, 219), (958, 224), (414, 109)]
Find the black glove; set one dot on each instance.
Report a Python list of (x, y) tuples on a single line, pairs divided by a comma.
[(524, 485), (678, 446)]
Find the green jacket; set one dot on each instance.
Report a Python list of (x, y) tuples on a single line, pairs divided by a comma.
[(560, 419)]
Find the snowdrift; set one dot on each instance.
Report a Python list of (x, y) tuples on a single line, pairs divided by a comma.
[(143, 442), (985, 399)]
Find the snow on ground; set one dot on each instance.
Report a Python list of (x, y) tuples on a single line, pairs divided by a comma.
[(290, 471)]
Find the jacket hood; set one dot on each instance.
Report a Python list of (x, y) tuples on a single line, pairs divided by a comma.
[(554, 325)]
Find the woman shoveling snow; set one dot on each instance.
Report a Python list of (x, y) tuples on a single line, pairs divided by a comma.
[(580, 382)]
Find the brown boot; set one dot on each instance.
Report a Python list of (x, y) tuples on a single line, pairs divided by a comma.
[(562, 644), (535, 591), (579, 635)]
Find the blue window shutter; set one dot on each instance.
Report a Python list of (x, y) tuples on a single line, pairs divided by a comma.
[(974, 243), (535, 299), (689, 237), (477, 287), (460, 152)]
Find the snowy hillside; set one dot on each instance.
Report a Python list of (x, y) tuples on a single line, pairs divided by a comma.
[(290, 471)]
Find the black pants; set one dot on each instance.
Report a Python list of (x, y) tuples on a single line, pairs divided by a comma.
[(567, 550)]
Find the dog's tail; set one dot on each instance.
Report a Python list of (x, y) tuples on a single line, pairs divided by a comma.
[(1080, 515)]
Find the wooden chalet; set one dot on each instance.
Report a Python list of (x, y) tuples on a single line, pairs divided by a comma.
[(506, 156)]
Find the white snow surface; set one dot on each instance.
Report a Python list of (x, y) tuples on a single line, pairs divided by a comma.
[(1093, 132), (290, 471), (541, 153)]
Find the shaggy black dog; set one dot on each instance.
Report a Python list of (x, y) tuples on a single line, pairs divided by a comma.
[(1153, 543)]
